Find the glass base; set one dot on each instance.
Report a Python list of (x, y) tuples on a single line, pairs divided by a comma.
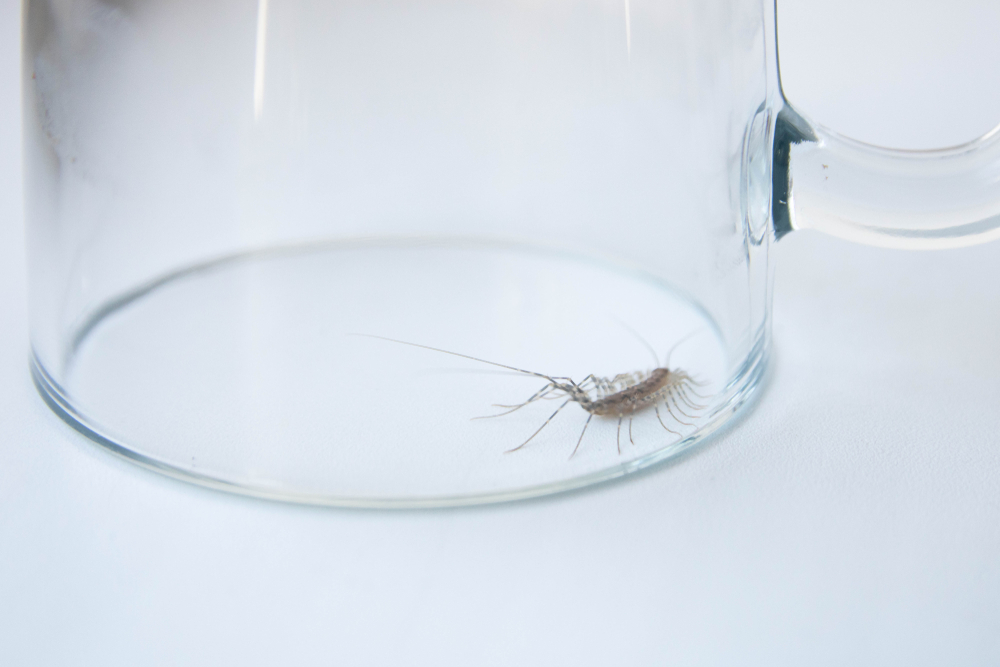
[(248, 374)]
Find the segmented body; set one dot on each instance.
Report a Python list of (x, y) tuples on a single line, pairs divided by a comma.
[(648, 389)]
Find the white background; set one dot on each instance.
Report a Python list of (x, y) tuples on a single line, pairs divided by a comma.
[(853, 517)]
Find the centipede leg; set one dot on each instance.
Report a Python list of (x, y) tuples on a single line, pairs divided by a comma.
[(657, 408), (693, 392), (540, 427), (540, 394), (666, 404), (589, 417), (673, 396), (688, 390), (682, 394)]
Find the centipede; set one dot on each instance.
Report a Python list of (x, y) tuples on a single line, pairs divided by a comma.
[(622, 396)]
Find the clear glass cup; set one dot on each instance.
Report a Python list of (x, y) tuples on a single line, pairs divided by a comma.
[(221, 195)]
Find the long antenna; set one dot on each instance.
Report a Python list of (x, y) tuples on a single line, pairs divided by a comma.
[(666, 363), (456, 354), (656, 359)]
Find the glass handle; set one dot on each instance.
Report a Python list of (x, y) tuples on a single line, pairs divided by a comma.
[(916, 199)]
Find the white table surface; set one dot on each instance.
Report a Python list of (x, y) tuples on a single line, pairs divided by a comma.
[(852, 517)]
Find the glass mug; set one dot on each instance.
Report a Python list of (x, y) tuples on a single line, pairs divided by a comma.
[(232, 205)]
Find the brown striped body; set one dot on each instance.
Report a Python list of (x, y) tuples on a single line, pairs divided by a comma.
[(650, 391)]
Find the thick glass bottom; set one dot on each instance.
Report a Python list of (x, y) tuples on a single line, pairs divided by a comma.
[(248, 373)]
